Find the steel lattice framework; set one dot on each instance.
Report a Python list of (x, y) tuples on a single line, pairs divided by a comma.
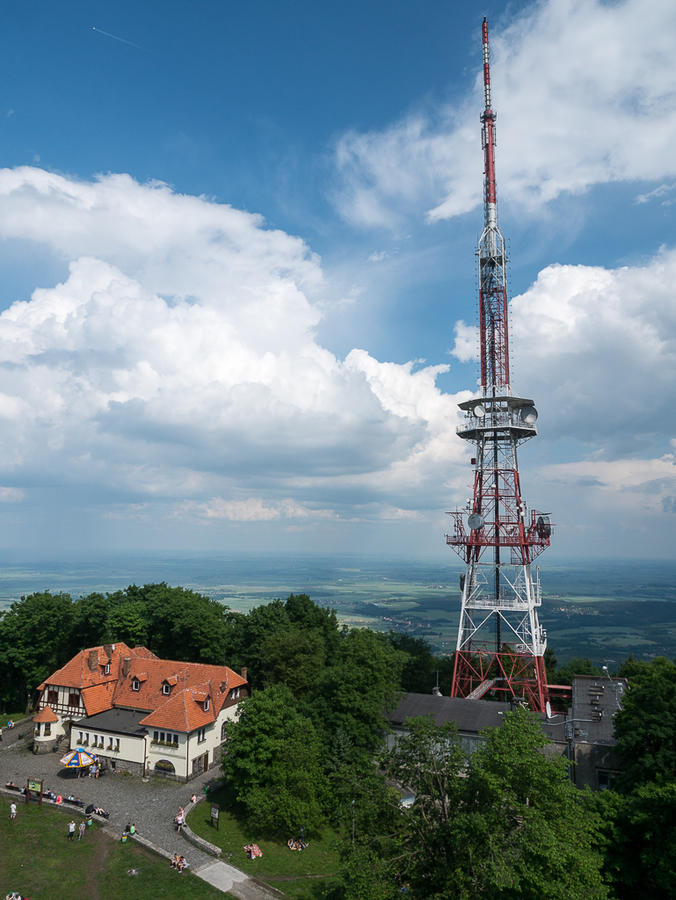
[(501, 643)]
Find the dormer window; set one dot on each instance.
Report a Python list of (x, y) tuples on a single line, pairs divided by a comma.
[(206, 704), (106, 669), (135, 684), (166, 688)]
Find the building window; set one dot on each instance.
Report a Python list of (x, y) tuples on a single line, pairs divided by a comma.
[(176, 739), (604, 780), (135, 684), (166, 688), (73, 699), (48, 728), (206, 704), (224, 730), (201, 735), (106, 669), (117, 747), (85, 740), (52, 698), (234, 695)]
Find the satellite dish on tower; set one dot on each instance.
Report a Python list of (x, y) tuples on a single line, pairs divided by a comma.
[(475, 521), (478, 410), (544, 527), (529, 415)]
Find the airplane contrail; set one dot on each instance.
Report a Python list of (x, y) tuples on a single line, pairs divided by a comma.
[(116, 38)]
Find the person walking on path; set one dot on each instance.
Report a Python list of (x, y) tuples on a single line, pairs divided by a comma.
[(81, 831), (71, 830), (12, 810)]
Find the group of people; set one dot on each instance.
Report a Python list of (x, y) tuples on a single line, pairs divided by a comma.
[(252, 850), (98, 810), (47, 795), (178, 862), (296, 845), (71, 830)]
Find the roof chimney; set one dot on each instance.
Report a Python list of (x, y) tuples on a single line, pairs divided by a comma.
[(108, 649), (126, 665), (93, 660), (244, 673)]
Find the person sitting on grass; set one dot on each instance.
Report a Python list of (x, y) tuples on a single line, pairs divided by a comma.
[(182, 863), (174, 861)]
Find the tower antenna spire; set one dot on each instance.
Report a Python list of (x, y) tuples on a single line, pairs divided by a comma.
[(500, 647)]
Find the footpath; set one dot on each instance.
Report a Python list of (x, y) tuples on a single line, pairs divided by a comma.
[(150, 807)]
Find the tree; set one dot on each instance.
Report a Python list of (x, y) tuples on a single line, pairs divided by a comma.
[(645, 727), (35, 639), (577, 666), (513, 827), (641, 840), (273, 763), (359, 686), (293, 657), (422, 668)]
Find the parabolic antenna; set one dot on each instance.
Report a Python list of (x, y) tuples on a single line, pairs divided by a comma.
[(475, 521), (479, 410), (529, 415), (544, 527)]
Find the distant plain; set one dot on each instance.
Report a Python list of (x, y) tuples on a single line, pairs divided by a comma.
[(603, 610)]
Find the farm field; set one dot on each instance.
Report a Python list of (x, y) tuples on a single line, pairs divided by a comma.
[(598, 609)]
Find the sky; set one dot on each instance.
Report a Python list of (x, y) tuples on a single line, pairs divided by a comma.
[(238, 277)]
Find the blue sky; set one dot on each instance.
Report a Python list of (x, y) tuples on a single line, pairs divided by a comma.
[(238, 281)]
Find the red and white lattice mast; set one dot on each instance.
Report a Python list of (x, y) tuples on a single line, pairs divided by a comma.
[(501, 643)]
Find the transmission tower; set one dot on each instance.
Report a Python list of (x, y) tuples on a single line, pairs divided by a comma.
[(501, 644)]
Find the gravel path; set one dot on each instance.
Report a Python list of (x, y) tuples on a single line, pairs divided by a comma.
[(150, 806)]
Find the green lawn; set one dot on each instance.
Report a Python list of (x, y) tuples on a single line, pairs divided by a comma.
[(39, 861), (301, 874)]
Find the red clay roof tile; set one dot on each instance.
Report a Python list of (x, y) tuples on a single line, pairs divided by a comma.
[(46, 714), (180, 710), (98, 698)]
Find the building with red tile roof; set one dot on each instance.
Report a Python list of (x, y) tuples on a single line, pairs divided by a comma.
[(138, 712)]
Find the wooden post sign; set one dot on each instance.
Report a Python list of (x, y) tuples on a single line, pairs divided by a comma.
[(215, 810), (36, 786)]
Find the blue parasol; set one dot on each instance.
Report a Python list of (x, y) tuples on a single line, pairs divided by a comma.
[(77, 759)]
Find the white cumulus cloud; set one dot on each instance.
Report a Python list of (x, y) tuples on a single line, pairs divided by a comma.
[(178, 362), (585, 93)]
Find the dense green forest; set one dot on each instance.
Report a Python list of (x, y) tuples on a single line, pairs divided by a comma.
[(308, 750)]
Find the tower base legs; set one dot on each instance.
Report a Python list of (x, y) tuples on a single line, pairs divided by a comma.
[(520, 676)]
